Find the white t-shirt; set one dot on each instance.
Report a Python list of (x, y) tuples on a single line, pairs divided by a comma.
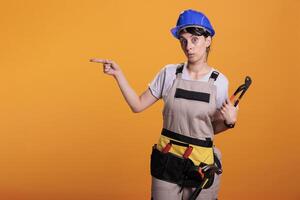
[(163, 81)]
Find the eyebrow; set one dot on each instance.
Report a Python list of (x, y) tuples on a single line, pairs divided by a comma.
[(180, 37)]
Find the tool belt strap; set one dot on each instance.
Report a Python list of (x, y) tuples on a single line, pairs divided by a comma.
[(177, 144), (186, 139)]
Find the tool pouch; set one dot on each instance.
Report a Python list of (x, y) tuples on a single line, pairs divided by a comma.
[(172, 168)]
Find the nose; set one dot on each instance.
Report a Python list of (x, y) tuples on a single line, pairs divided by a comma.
[(189, 45)]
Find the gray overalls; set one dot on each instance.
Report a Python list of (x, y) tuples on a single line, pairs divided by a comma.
[(188, 110)]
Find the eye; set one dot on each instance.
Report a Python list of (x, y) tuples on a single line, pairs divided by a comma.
[(183, 41), (194, 40)]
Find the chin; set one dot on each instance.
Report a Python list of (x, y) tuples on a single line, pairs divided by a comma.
[(192, 60)]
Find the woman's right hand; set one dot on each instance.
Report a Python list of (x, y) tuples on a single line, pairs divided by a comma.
[(109, 67)]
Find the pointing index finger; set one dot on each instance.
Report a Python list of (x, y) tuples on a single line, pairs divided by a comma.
[(104, 61)]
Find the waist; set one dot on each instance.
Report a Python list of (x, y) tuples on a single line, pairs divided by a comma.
[(186, 139), (195, 149)]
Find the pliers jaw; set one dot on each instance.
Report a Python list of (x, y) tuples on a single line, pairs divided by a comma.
[(241, 89)]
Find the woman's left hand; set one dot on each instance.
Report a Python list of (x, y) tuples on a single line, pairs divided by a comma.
[(229, 112)]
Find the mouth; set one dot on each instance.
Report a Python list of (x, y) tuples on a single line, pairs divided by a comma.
[(190, 54)]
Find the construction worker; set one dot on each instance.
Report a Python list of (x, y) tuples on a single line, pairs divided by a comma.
[(185, 162)]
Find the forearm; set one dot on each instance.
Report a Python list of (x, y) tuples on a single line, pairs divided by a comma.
[(128, 93), (218, 122)]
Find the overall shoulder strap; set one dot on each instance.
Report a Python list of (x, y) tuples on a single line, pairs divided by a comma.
[(213, 77), (179, 70)]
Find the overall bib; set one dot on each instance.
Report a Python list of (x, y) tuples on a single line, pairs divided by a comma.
[(187, 123)]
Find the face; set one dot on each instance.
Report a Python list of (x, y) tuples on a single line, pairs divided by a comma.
[(194, 47)]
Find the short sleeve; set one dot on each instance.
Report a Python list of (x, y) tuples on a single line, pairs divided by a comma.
[(157, 84), (222, 91)]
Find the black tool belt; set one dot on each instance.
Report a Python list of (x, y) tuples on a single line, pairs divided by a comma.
[(180, 169), (174, 169)]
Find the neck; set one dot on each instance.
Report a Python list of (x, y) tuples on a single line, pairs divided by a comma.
[(198, 67)]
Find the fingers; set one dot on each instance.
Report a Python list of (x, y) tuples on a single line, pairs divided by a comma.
[(222, 110), (106, 67), (228, 111), (97, 60), (224, 104), (103, 61), (227, 103)]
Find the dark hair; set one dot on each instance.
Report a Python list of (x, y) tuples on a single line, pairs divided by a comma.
[(198, 31)]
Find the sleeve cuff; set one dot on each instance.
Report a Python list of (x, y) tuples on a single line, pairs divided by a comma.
[(153, 93)]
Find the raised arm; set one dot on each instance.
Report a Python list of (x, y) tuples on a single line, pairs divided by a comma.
[(135, 102)]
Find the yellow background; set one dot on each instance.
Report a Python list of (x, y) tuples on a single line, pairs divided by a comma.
[(66, 131)]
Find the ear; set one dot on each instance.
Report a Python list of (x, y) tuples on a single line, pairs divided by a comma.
[(208, 41)]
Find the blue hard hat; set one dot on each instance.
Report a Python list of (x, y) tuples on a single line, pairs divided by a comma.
[(192, 18)]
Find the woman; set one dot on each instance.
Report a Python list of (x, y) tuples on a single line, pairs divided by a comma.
[(196, 107)]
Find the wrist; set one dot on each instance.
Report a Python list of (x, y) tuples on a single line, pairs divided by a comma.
[(229, 125), (117, 74)]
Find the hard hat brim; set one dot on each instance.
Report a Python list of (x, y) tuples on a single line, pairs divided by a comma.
[(175, 31)]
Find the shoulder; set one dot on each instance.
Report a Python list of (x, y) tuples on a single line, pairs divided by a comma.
[(163, 80), (171, 68), (222, 80), (222, 88), (168, 71)]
